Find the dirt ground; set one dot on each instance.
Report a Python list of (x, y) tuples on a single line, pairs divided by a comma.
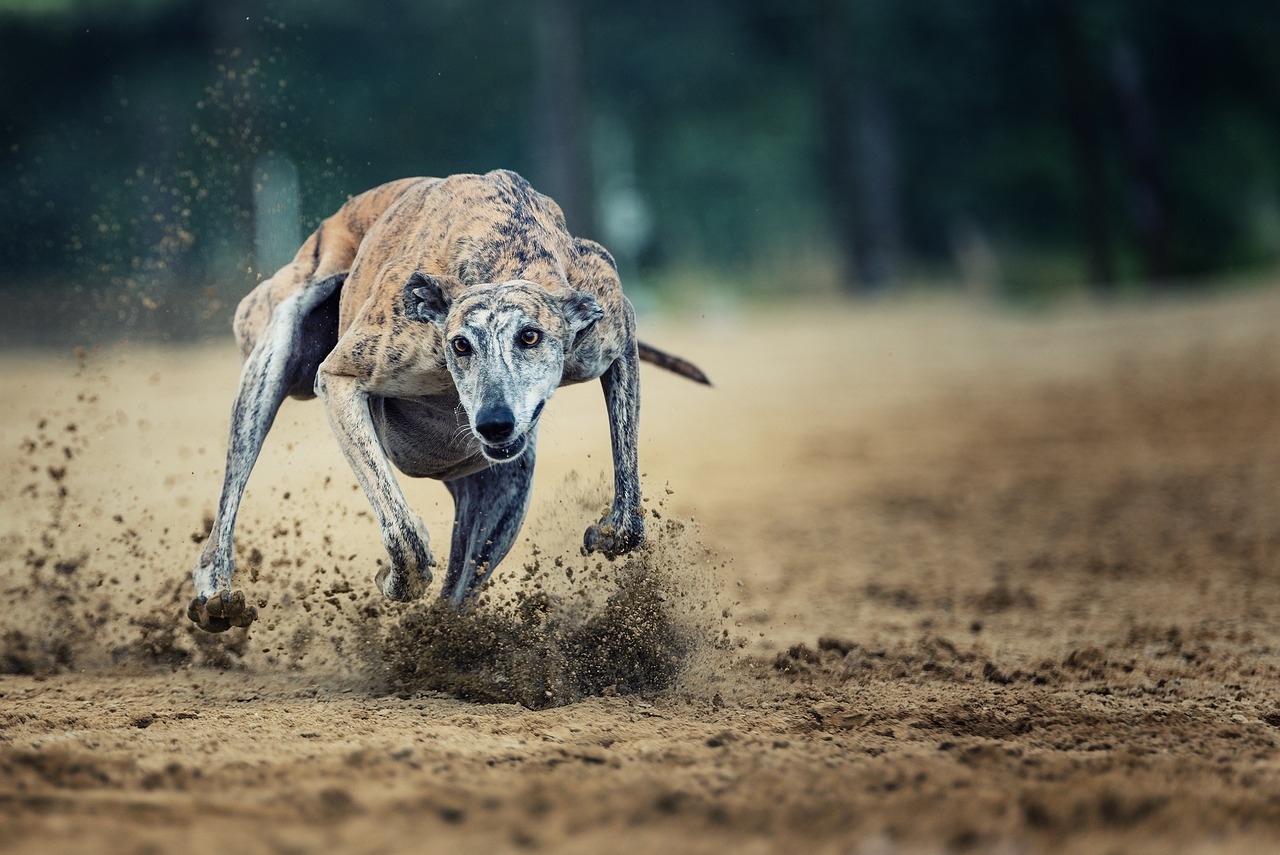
[(924, 577)]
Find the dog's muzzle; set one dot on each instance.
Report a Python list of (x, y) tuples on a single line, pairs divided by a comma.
[(496, 430)]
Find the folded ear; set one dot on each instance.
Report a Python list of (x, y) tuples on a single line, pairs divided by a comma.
[(580, 310), (427, 297)]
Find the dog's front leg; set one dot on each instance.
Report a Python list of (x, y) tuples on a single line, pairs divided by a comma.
[(622, 528), (403, 533), (489, 508)]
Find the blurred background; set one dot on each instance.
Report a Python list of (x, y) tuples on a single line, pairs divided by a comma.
[(160, 156)]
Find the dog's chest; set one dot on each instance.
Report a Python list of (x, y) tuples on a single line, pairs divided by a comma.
[(426, 437)]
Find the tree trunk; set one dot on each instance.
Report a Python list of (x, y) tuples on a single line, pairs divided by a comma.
[(563, 160), (879, 234), (1085, 133), (1147, 206), (834, 67), (856, 158)]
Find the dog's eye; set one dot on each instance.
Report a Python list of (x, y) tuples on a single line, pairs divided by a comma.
[(529, 336), (461, 346)]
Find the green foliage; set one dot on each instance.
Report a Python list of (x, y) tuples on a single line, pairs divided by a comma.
[(132, 127)]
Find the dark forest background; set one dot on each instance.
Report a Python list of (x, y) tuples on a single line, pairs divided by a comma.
[(166, 153)]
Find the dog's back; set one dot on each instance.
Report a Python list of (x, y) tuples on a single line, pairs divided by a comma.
[(478, 228), (330, 250)]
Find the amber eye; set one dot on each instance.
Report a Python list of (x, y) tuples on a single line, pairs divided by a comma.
[(461, 346), (529, 336)]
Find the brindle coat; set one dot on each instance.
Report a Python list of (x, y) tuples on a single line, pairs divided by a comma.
[(434, 317)]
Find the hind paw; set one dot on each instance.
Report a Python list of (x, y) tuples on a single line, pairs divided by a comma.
[(222, 611)]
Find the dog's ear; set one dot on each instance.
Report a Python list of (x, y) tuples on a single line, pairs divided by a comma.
[(427, 297), (580, 311)]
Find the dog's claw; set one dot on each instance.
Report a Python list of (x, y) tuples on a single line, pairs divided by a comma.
[(222, 611)]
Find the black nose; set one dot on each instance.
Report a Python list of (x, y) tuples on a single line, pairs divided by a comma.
[(496, 424)]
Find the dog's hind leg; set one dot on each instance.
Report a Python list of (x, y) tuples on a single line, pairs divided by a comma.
[(283, 361), (489, 509)]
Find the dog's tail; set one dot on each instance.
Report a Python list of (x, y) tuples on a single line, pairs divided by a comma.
[(672, 363)]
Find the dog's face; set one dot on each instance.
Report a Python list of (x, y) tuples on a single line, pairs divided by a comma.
[(505, 346)]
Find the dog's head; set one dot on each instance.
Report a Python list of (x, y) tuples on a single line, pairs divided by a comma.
[(505, 346)]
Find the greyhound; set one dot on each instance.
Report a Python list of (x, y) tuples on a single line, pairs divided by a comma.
[(434, 317)]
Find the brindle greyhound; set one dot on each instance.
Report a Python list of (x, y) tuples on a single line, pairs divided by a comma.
[(420, 303)]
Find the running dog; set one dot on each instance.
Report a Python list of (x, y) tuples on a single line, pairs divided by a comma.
[(434, 318)]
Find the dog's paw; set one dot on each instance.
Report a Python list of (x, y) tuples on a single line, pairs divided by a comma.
[(402, 587), (612, 540), (222, 611)]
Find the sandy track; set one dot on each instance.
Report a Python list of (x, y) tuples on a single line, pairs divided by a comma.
[(991, 581)]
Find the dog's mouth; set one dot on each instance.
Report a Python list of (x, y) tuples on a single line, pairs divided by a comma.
[(510, 450), (504, 453)]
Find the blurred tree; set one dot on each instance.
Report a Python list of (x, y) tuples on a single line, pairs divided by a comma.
[(1146, 182), (757, 141), (878, 189), (1084, 129), (834, 70), (564, 163)]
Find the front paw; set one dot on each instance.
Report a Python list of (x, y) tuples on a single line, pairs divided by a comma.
[(222, 611), (612, 538), (402, 586)]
